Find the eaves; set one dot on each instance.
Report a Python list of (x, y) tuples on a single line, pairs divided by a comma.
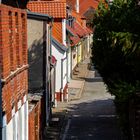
[(61, 46), (39, 16)]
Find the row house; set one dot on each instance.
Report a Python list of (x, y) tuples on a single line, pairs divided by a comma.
[(40, 62), (79, 38), (14, 73), (57, 9), (85, 8), (25, 70), (67, 57)]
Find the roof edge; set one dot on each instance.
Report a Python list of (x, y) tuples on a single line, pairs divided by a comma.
[(61, 46), (39, 16)]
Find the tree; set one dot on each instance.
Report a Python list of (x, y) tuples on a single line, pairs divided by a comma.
[(116, 50)]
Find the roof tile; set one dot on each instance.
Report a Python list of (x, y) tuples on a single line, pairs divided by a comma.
[(56, 9), (84, 5)]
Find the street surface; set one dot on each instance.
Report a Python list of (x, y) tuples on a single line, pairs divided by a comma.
[(92, 117)]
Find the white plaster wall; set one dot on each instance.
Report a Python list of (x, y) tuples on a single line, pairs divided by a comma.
[(4, 128), (88, 45), (91, 39), (17, 128), (26, 120), (74, 60), (69, 64), (64, 31), (64, 70), (10, 130), (58, 57), (23, 122)]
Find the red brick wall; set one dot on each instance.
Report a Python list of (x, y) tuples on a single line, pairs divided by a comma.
[(13, 57), (13, 39), (37, 120), (64, 93), (32, 125)]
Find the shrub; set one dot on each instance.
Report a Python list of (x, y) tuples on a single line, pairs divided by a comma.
[(116, 51)]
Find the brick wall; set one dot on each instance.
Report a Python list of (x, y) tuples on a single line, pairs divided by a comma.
[(13, 37), (36, 119), (13, 57)]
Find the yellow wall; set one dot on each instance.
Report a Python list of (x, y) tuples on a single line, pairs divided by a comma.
[(79, 53)]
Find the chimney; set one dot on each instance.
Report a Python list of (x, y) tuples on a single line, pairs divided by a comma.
[(77, 6)]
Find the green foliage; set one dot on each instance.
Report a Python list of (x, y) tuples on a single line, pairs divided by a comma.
[(116, 47)]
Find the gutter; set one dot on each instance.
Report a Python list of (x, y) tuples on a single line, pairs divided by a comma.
[(39, 16)]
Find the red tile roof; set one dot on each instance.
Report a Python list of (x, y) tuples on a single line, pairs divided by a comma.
[(79, 29), (71, 30), (57, 9), (57, 30), (75, 39), (78, 17), (87, 30), (84, 5)]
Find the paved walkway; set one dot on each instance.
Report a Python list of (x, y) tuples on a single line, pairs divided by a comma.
[(90, 112), (75, 88), (93, 116)]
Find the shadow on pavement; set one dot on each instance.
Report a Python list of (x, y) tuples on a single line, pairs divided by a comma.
[(93, 120)]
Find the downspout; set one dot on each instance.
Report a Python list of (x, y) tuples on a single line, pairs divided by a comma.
[(71, 64), (67, 74), (67, 64), (61, 89)]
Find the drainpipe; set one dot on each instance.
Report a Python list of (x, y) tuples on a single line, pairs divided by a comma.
[(71, 65), (67, 73), (67, 65), (61, 89)]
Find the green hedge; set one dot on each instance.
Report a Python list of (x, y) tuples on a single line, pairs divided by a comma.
[(116, 51)]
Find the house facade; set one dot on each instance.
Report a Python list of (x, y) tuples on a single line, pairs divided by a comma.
[(60, 53), (59, 35), (39, 75), (14, 70)]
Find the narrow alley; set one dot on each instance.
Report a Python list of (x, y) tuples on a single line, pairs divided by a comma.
[(93, 116)]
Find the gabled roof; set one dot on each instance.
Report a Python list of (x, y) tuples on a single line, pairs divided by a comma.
[(79, 30), (57, 9), (74, 38), (84, 5), (71, 30), (78, 17)]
